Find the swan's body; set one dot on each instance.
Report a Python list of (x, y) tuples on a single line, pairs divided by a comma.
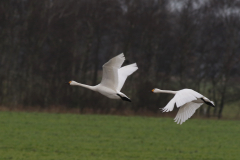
[(187, 100), (113, 79)]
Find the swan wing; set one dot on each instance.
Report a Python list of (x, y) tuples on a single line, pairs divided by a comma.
[(186, 111), (123, 73), (185, 96), (169, 107), (110, 71)]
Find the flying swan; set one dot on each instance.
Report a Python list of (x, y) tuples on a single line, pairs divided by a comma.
[(114, 76), (187, 100)]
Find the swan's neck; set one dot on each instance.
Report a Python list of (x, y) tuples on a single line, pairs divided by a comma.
[(167, 91), (84, 86)]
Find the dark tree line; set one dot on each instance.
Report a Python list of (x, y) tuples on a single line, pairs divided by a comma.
[(46, 43)]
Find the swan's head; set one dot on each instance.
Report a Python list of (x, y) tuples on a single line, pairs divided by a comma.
[(72, 83), (155, 90)]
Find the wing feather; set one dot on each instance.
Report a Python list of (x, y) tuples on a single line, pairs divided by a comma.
[(169, 107), (110, 71), (123, 73), (115, 61), (186, 111)]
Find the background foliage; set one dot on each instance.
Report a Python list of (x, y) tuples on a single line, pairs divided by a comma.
[(187, 44)]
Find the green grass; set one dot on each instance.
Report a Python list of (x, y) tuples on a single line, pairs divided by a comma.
[(43, 136)]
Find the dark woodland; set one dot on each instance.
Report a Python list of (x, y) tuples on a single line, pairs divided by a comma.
[(45, 43)]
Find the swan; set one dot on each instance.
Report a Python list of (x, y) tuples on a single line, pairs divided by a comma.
[(113, 78), (187, 100)]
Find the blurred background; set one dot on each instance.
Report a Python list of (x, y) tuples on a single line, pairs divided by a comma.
[(176, 44)]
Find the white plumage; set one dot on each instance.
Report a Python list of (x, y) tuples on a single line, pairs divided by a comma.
[(187, 100), (113, 78)]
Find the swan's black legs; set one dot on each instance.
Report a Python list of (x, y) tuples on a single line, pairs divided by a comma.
[(124, 98), (208, 103)]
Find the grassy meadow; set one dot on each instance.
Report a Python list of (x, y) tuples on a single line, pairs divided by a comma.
[(44, 136)]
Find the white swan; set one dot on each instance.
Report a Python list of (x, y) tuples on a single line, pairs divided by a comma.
[(187, 100), (113, 78)]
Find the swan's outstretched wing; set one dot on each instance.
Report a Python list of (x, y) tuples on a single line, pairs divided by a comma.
[(186, 111), (110, 72), (169, 107), (123, 73), (186, 95)]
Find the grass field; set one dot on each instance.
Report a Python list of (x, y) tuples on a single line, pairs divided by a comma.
[(43, 136)]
